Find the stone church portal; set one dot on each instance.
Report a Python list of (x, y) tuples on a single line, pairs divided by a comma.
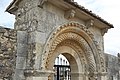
[(47, 28)]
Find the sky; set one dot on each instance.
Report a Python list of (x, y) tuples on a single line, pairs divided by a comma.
[(6, 19), (107, 9)]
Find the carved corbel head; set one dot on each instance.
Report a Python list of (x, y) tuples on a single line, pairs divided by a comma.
[(70, 14), (89, 23), (103, 31)]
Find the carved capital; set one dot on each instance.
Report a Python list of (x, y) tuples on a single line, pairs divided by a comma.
[(70, 14), (96, 75), (103, 31), (89, 23), (93, 76)]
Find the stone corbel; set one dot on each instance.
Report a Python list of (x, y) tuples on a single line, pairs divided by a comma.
[(41, 3), (89, 23), (70, 14), (103, 31)]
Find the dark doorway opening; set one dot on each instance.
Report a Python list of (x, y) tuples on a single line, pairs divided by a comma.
[(62, 69)]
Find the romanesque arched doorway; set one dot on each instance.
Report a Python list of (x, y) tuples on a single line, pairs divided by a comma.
[(76, 43), (73, 59)]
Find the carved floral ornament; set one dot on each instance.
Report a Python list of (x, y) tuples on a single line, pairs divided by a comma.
[(81, 34)]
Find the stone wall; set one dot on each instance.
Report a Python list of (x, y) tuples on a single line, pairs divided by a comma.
[(8, 57), (34, 24), (113, 67), (7, 53)]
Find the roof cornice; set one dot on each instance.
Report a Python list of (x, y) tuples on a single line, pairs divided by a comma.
[(13, 6), (75, 4)]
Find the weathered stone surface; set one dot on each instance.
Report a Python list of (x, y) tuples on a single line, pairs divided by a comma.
[(38, 37), (21, 63), (22, 37), (7, 53), (46, 29), (113, 67), (19, 75), (21, 49)]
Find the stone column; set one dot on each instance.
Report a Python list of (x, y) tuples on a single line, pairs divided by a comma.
[(21, 55), (36, 41), (33, 71)]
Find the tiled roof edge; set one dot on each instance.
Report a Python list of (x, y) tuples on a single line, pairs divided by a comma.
[(89, 12)]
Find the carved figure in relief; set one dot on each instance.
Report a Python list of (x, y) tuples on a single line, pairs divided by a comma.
[(70, 14)]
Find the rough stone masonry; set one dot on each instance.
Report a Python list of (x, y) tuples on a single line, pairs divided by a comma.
[(7, 53)]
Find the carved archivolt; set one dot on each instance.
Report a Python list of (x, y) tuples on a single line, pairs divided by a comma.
[(72, 36), (79, 33)]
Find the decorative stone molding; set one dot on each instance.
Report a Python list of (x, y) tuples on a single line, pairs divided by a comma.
[(77, 48), (101, 57), (51, 45), (70, 14)]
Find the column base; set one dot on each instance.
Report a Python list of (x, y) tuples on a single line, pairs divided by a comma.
[(37, 74)]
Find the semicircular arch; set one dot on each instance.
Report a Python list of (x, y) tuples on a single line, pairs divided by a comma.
[(79, 33)]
